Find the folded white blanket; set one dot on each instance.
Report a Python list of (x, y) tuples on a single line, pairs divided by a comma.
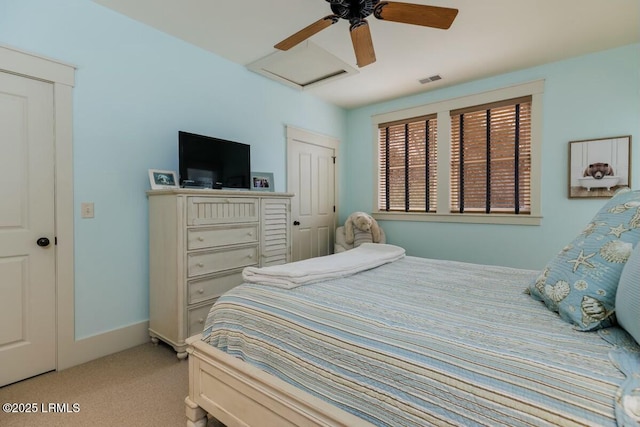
[(364, 257)]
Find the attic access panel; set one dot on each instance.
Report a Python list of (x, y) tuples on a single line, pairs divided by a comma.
[(303, 67)]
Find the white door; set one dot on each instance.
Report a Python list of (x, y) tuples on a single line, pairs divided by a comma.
[(27, 261), (311, 177)]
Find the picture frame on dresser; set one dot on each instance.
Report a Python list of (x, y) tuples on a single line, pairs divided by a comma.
[(262, 181), (162, 179)]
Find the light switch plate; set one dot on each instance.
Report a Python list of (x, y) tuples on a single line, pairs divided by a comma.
[(87, 210)]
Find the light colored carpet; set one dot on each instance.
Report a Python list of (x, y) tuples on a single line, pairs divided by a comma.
[(142, 386)]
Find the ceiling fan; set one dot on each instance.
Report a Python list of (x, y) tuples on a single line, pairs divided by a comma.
[(355, 11)]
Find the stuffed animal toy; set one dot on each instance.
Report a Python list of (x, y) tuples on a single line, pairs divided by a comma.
[(361, 222)]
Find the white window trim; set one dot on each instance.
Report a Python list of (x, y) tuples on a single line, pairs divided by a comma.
[(442, 109)]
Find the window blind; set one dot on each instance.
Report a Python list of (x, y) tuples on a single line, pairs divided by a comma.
[(491, 158), (407, 158)]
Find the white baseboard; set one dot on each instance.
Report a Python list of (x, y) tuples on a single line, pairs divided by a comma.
[(87, 349)]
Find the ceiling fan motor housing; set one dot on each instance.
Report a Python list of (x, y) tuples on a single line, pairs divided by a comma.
[(353, 10)]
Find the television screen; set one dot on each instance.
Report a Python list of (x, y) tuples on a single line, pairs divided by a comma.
[(208, 162)]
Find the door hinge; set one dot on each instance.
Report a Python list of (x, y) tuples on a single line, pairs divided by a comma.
[(334, 209), (55, 240), (334, 159)]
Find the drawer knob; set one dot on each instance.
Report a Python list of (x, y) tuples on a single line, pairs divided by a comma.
[(201, 291), (227, 200), (201, 239), (250, 233), (250, 256), (201, 320), (200, 265)]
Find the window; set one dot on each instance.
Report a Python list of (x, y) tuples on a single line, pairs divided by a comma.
[(408, 169), (469, 159), (491, 158)]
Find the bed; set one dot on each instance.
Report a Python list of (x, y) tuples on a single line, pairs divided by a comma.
[(371, 337), (411, 342)]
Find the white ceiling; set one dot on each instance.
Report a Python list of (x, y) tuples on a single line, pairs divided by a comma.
[(488, 37)]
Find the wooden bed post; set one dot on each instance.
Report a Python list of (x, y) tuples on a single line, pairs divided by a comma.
[(196, 416)]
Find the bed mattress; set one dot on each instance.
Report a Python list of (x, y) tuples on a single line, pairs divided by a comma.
[(422, 342)]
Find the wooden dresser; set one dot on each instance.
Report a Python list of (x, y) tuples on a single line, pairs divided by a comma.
[(199, 243)]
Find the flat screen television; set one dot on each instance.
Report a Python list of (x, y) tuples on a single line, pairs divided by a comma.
[(207, 162)]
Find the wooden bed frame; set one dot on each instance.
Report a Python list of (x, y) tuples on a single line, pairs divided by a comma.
[(240, 395)]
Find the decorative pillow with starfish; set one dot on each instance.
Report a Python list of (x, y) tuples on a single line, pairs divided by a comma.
[(580, 282)]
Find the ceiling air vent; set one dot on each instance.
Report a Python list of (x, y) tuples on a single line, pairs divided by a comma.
[(302, 67), (430, 79)]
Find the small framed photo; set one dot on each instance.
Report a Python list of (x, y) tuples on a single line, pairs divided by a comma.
[(262, 181), (162, 179), (598, 167)]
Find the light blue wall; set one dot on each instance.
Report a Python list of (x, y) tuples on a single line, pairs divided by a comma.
[(135, 88), (592, 96)]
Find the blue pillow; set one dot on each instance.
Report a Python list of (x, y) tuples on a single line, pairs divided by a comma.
[(580, 282), (628, 296)]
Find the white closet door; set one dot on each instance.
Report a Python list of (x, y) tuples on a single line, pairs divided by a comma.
[(311, 177), (27, 241)]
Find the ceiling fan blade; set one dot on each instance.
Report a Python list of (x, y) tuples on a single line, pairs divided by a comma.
[(307, 32), (417, 14), (362, 43)]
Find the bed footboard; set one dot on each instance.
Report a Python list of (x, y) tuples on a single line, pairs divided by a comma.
[(238, 394)]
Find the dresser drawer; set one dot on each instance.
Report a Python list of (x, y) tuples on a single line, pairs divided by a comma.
[(200, 238), (196, 317), (221, 210), (221, 259), (204, 289)]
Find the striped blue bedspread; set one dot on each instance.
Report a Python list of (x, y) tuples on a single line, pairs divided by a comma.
[(423, 342)]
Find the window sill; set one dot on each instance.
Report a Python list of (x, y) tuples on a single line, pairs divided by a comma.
[(504, 219)]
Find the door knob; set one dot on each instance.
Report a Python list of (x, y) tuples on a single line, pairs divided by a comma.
[(43, 241), (296, 222)]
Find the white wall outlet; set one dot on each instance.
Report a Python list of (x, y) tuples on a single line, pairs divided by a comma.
[(86, 209)]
